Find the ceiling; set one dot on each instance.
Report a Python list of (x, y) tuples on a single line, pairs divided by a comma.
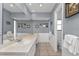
[(34, 7), (40, 11), (40, 7), (11, 7)]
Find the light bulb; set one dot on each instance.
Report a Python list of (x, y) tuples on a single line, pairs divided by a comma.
[(41, 5), (11, 5)]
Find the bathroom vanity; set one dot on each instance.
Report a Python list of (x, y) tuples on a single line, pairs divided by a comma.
[(26, 46)]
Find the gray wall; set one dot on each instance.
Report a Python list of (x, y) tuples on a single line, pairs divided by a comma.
[(71, 25), (0, 23), (32, 28), (7, 17), (35, 16), (0, 18), (20, 16)]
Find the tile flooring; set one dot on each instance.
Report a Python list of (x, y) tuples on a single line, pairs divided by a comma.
[(45, 49)]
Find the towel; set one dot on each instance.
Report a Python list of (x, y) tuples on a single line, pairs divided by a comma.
[(73, 47), (69, 38), (77, 45), (65, 45), (71, 42), (67, 41)]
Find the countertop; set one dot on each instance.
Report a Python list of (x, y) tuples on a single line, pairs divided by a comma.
[(23, 46)]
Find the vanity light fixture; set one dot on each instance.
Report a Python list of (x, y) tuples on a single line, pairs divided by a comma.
[(44, 25), (11, 5), (41, 5)]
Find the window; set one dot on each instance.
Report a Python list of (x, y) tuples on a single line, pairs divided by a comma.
[(59, 25)]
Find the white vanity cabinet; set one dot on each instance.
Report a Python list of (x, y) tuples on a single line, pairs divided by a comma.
[(51, 40), (32, 51), (26, 47), (43, 37)]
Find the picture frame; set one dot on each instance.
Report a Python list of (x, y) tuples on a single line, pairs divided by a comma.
[(71, 9)]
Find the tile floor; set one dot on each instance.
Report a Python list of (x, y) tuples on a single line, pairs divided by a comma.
[(44, 49)]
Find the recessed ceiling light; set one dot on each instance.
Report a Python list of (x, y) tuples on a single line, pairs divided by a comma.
[(11, 5), (30, 4), (41, 5)]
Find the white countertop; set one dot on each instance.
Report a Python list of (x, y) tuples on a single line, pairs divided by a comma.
[(23, 46)]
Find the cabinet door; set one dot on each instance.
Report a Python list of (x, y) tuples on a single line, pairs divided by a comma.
[(43, 37), (32, 50)]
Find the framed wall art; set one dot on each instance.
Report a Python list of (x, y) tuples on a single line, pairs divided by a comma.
[(71, 9)]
